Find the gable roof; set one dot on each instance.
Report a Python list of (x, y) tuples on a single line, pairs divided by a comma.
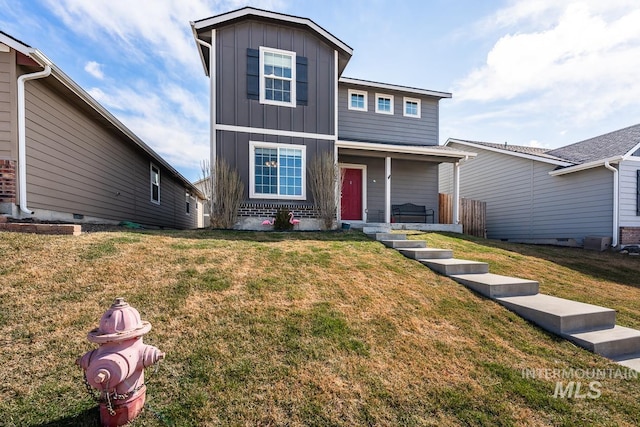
[(623, 142), (202, 27), (92, 104)]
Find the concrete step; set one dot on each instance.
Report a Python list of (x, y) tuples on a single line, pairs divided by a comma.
[(631, 361), (614, 342), (559, 315), (452, 266), (374, 230), (388, 236), (426, 253), (497, 286), (397, 244)]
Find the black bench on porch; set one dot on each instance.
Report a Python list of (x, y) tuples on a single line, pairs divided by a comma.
[(408, 212)]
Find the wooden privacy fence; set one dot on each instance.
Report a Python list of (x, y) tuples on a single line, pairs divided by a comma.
[(473, 214)]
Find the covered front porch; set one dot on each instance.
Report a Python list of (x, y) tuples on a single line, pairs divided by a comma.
[(378, 178)]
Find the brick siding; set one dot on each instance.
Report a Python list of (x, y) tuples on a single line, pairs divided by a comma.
[(7, 181), (629, 235), (268, 210)]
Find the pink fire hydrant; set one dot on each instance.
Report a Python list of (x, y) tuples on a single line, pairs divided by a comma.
[(116, 368)]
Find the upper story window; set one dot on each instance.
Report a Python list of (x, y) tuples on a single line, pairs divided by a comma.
[(187, 198), (277, 77), (384, 103), (277, 171), (411, 107), (155, 184), (357, 100)]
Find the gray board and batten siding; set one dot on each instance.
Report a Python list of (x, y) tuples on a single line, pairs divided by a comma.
[(234, 148), (77, 164), (233, 105), (411, 182), (525, 203), (629, 188), (8, 120), (386, 128)]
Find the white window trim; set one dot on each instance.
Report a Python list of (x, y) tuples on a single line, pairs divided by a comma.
[(404, 107), (383, 95), (263, 99), (187, 200), (151, 184), (252, 171), (357, 92)]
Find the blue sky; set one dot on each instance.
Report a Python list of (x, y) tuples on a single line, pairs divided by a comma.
[(543, 73)]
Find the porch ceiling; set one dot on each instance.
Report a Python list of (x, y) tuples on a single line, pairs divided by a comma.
[(433, 153)]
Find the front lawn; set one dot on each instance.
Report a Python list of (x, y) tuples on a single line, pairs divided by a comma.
[(303, 329)]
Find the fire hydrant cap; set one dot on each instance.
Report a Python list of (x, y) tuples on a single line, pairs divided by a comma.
[(120, 322)]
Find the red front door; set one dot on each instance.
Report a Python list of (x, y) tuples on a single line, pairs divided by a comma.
[(351, 200)]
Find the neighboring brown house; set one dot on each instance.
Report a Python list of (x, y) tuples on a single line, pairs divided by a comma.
[(63, 157)]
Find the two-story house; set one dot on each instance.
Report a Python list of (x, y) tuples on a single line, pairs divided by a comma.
[(278, 98)]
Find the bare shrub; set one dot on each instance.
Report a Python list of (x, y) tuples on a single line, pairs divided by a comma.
[(225, 191), (323, 176)]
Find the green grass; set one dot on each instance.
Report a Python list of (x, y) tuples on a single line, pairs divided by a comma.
[(302, 329)]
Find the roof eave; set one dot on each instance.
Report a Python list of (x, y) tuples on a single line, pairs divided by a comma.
[(199, 47), (509, 152), (586, 166), (405, 149), (388, 86)]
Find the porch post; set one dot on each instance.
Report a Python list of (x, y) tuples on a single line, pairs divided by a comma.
[(456, 193), (387, 190)]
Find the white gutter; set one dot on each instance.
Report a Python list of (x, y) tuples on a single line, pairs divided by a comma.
[(614, 240), (22, 140), (427, 150), (584, 166)]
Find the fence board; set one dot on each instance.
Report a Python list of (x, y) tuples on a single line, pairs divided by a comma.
[(473, 214)]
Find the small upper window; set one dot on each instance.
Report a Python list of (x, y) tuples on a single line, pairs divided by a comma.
[(155, 184), (187, 197), (277, 77), (412, 107), (357, 100), (384, 104)]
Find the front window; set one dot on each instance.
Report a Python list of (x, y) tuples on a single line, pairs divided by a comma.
[(384, 104), (277, 171), (357, 100), (412, 107), (277, 77), (187, 197), (155, 184)]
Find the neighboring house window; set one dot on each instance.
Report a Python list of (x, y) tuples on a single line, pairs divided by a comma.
[(277, 77), (188, 200), (277, 171), (155, 184), (384, 104), (412, 107), (357, 100)]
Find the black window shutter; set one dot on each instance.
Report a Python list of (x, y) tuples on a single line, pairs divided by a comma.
[(302, 82), (253, 74), (638, 192)]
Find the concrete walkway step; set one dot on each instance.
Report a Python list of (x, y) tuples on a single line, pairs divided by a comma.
[(631, 361), (614, 342), (426, 253), (497, 286), (453, 266), (373, 230), (560, 316), (388, 236), (397, 244)]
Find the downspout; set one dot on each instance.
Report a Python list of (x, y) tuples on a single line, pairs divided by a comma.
[(614, 239), (22, 140)]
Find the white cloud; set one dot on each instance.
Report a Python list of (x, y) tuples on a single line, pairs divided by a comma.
[(95, 69), (578, 59)]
